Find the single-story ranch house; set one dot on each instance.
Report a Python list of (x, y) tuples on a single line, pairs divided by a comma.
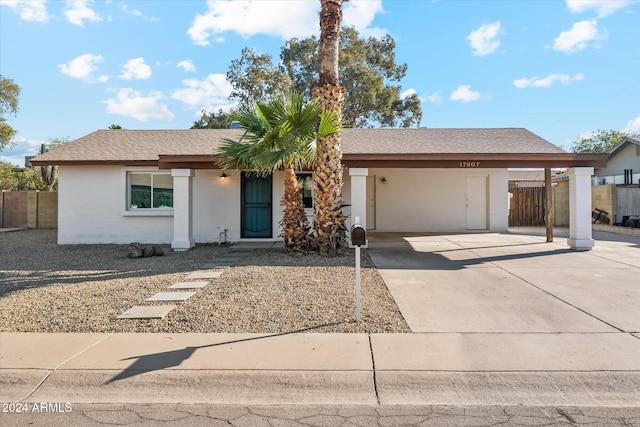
[(164, 186)]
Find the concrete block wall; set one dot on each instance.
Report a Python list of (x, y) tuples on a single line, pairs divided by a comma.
[(561, 204), (15, 209), (48, 209), (32, 209), (28, 209), (603, 197)]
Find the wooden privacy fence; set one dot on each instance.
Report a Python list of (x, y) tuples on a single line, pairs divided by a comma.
[(527, 206), (28, 209), (627, 203)]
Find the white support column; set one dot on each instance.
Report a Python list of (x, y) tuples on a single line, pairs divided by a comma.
[(580, 237), (359, 194), (182, 210)]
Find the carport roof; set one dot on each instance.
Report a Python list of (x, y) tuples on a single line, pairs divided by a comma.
[(421, 147)]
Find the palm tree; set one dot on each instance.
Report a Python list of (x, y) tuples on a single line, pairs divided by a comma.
[(328, 219), (280, 134)]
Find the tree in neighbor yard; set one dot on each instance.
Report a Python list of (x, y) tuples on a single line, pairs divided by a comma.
[(368, 71), (600, 141), (9, 93), (50, 172), (13, 178), (280, 134), (328, 220), (219, 120)]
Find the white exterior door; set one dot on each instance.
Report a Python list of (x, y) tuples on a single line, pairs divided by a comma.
[(371, 203), (476, 203)]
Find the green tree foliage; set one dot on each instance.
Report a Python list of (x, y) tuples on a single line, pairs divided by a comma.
[(9, 93), (600, 141), (367, 69), (221, 120), (255, 79), (13, 178), (115, 127)]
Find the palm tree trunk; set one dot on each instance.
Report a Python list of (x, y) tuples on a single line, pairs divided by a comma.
[(328, 219), (295, 226)]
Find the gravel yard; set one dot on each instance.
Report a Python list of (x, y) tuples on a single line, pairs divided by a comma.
[(49, 288)]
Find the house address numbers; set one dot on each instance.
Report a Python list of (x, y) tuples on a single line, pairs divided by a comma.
[(469, 164)]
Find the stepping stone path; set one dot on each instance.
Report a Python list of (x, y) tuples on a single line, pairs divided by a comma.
[(204, 275), (188, 285), (160, 311), (147, 312), (171, 296)]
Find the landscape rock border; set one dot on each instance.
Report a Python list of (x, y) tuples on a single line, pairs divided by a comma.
[(137, 250)]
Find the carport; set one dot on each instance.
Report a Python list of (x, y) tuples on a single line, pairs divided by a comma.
[(455, 180)]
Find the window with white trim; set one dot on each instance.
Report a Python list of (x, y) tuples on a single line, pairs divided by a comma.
[(305, 185), (149, 190)]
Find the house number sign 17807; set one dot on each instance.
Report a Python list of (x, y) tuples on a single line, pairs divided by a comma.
[(469, 164)]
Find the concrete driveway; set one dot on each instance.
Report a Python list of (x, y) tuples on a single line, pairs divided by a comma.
[(511, 282)]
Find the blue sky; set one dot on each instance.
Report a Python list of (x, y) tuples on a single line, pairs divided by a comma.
[(558, 68)]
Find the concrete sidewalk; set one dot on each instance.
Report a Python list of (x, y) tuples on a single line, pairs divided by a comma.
[(596, 369), (497, 319)]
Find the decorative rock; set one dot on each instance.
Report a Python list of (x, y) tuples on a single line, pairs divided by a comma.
[(147, 251), (134, 251)]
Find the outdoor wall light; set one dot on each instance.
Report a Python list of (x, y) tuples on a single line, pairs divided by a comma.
[(223, 176), (383, 180)]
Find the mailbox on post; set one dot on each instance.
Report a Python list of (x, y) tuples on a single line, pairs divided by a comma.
[(358, 235)]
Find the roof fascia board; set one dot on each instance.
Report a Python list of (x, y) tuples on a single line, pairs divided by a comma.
[(45, 162)]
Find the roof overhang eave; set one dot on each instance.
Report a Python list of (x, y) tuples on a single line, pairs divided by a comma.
[(476, 160), (47, 162)]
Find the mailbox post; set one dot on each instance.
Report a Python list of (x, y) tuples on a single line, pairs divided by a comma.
[(358, 238)]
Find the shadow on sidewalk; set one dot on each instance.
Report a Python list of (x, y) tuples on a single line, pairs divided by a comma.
[(168, 359)]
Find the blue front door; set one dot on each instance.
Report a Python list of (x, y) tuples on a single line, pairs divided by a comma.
[(256, 205)]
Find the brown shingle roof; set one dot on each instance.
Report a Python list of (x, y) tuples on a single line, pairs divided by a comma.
[(437, 141), (148, 145)]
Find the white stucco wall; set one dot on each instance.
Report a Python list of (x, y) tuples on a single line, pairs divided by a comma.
[(433, 200), (92, 207), (92, 204), (217, 206)]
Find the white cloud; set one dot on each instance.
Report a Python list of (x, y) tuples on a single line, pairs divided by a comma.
[(465, 94), (633, 126), (103, 78), (281, 18), (21, 147), (578, 37), (435, 98), (548, 81), (409, 92), (213, 89), (601, 7), (125, 9), (485, 39), (278, 18), (81, 67), (132, 103), (135, 69), (187, 65), (77, 12), (28, 10), (135, 12), (360, 14)]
